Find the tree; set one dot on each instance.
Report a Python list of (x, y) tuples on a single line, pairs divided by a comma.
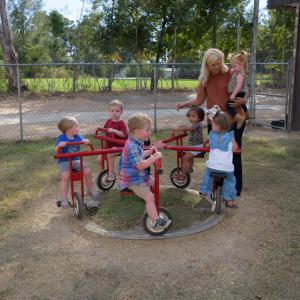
[(276, 36), (22, 13), (9, 54)]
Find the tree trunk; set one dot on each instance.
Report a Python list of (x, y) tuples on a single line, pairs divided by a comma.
[(214, 26), (9, 54), (159, 50)]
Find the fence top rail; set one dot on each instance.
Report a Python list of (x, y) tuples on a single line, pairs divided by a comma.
[(100, 64), (123, 64)]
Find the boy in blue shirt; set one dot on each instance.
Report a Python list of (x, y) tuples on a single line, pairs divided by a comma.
[(69, 128)]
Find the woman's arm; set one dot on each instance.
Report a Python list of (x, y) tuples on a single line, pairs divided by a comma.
[(199, 100), (240, 101), (238, 87)]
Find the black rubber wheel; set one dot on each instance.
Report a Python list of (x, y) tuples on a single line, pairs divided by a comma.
[(103, 183), (179, 184), (78, 206), (148, 225), (218, 200)]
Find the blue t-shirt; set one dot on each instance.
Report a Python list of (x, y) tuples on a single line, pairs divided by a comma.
[(69, 149)]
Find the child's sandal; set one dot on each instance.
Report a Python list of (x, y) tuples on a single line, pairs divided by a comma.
[(230, 204)]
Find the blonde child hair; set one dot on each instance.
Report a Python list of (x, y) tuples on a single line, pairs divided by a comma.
[(241, 57), (211, 56), (67, 122), (116, 103), (222, 119), (138, 121)]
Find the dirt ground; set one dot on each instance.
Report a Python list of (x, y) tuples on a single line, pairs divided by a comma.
[(252, 254)]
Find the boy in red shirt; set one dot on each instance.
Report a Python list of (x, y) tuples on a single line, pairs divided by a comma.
[(116, 129)]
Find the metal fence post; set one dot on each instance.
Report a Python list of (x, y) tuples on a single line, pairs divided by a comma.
[(20, 103), (252, 93), (288, 119), (155, 96)]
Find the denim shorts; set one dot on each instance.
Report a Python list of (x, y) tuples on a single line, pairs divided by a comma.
[(64, 165)]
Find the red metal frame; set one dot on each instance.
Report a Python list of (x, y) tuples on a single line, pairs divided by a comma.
[(103, 144), (78, 176), (155, 190)]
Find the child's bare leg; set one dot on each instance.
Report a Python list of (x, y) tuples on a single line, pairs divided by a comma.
[(89, 183), (185, 160), (191, 164), (150, 206), (111, 163), (99, 159), (64, 183), (88, 178)]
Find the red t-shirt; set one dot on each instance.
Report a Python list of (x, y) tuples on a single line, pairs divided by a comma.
[(120, 126)]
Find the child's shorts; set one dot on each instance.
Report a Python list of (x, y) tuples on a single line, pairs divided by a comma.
[(64, 165), (195, 152), (141, 190)]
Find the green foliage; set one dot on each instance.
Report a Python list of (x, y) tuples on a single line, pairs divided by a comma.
[(276, 36), (146, 31)]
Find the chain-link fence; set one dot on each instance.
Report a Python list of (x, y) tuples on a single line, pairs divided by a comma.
[(32, 106), (271, 95)]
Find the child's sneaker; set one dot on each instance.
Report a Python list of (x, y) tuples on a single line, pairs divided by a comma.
[(94, 195), (64, 204), (92, 203), (162, 223)]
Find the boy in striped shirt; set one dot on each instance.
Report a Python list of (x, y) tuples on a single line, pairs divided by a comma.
[(133, 165)]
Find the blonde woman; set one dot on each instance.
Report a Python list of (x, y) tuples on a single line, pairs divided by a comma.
[(213, 87)]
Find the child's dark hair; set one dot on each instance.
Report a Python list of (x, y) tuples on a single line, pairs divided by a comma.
[(222, 119), (200, 112)]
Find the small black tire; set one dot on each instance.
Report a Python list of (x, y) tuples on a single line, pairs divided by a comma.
[(103, 183), (148, 225), (179, 184), (78, 206), (218, 200)]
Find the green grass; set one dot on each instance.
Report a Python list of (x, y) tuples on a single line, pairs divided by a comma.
[(90, 84), (26, 171)]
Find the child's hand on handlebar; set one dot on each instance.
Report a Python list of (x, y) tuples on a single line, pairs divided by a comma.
[(153, 149), (86, 141), (157, 155), (62, 144)]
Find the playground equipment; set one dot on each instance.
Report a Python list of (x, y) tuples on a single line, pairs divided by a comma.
[(102, 179), (77, 198)]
